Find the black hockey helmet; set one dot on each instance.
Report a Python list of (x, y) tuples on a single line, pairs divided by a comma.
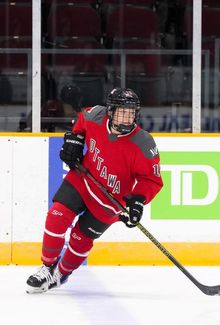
[(123, 98), (71, 94)]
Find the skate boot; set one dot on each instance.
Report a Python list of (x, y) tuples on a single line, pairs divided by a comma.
[(58, 279), (46, 278)]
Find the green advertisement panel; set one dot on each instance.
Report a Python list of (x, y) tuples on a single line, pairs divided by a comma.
[(191, 186)]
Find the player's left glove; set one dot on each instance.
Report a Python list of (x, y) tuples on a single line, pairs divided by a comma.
[(72, 149), (135, 207)]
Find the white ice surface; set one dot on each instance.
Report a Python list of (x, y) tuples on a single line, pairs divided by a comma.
[(112, 295)]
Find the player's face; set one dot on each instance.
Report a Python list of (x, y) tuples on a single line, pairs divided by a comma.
[(124, 116)]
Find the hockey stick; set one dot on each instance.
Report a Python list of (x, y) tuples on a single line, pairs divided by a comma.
[(208, 290)]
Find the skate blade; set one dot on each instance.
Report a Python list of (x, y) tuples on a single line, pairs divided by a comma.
[(33, 290)]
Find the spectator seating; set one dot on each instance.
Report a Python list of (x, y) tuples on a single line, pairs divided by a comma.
[(127, 21), (70, 21), (15, 20)]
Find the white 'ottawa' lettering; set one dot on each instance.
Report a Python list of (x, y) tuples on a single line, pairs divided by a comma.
[(92, 145), (100, 161), (116, 189), (97, 151), (104, 172), (111, 179)]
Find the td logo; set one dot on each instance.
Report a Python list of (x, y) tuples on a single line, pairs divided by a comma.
[(191, 186), (182, 184)]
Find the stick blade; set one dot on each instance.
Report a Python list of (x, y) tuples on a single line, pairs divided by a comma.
[(210, 290)]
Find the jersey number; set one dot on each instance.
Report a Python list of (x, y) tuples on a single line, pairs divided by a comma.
[(156, 168)]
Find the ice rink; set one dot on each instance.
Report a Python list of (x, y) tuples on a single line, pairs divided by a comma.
[(112, 295)]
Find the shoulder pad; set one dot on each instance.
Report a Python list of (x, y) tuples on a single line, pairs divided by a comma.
[(145, 142), (95, 114)]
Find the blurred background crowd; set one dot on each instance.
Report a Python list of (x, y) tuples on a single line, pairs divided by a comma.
[(89, 47)]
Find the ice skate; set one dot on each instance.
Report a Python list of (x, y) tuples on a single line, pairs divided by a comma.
[(46, 278)]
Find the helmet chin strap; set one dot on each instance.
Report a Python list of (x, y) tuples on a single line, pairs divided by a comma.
[(123, 128)]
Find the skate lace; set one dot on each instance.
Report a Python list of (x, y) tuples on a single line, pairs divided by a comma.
[(44, 273), (57, 277)]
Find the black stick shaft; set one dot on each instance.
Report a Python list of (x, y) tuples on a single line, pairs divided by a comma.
[(208, 290)]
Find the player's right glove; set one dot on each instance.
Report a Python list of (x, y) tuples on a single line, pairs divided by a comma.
[(72, 149), (135, 207)]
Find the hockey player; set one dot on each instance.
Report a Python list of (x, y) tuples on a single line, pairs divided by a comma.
[(123, 158), (68, 106)]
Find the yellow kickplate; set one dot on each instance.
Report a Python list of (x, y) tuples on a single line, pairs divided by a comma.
[(5, 253), (121, 253), (26, 253), (140, 253)]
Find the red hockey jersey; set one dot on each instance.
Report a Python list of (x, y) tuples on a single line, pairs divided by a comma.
[(123, 164)]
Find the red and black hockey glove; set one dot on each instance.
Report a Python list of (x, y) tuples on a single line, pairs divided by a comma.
[(72, 149), (135, 207)]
